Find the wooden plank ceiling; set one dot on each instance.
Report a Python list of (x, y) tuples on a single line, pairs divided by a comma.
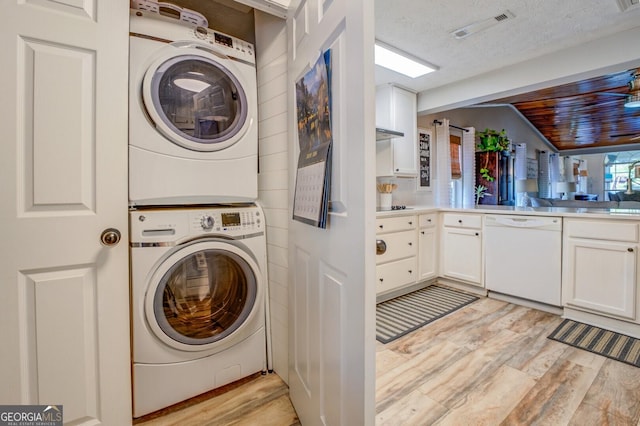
[(585, 114)]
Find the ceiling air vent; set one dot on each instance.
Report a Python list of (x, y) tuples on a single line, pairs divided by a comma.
[(625, 5), (487, 23)]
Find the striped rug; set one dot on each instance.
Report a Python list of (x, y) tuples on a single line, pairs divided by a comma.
[(602, 342), (402, 315)]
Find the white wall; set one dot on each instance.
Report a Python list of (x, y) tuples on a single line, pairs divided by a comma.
[(608, 54), (503, 117), (406, 193), (271, 55)]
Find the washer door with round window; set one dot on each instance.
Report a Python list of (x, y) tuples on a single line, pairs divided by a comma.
[(195, 98), (204, 296)]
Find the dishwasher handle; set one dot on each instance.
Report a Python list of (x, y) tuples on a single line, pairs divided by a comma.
[(520, 222)]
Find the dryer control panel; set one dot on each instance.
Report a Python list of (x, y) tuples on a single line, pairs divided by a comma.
[(234, 47), (147, 24), (166, 225)]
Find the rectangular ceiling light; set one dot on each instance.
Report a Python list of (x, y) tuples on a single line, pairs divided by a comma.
[(401, 62)]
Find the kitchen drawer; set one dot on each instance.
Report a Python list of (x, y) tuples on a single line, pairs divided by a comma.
[(602, 230), (397, 223), (399, 245), (463, 220), (427, 220), (393, 275)]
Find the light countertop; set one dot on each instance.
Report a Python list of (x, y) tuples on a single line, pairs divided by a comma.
[(627, 214)]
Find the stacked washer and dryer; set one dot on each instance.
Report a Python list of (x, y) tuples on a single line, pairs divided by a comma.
[(198, 248)]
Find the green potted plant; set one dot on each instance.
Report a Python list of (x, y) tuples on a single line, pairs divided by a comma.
[(492, 146), (493, 141), (480, 191)]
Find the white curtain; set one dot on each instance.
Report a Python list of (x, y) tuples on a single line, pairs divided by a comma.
[(443, 163), (554, 173), (521, 161), (468, 166), (543, 175)]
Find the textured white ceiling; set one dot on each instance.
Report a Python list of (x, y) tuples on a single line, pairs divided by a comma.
[(422, 28)]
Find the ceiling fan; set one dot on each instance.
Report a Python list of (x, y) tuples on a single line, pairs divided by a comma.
[(633, 97)]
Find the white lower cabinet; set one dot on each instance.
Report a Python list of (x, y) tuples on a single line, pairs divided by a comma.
[(393, 275), (461, 257), (427, 247), (600, 260), (397, 248)]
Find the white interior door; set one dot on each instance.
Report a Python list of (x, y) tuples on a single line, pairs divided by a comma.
[(332, 271), (64, 310)]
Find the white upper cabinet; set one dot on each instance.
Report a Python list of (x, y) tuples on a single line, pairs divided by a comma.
[(396, 109)]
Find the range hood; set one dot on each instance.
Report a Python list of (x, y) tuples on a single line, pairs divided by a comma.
[(385, 134)]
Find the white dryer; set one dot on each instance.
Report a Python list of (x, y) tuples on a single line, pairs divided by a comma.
[(198, 301), (193, 136)]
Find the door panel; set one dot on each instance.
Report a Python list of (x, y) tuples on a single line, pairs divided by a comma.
[(301, 308), (332, 271), (56, 328), (332, 312), (64, 314), (57, 141)]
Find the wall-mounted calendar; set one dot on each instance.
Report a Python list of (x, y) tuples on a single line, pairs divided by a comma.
[(313, 105)]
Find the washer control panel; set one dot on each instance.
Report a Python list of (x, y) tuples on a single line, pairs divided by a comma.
[(227, 220), (164, 225)]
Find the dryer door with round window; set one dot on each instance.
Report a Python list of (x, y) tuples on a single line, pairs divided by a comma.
[(195, 98), (203, 296)]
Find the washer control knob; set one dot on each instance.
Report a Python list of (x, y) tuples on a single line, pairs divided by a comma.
[(207, 222), (201, 33)]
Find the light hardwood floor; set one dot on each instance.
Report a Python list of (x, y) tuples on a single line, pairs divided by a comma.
[(258, 400), (490, 363)]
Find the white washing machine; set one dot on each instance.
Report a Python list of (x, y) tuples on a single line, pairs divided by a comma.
[(193, 128), (198, 301)]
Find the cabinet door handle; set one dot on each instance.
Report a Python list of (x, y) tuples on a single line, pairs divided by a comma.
[(477, 234), (429, 220), (630, 249), (381, 226), (410, 223), (381, 247), (459, 220), (381, 279), (410, 271), (422, 232), (410, 244)]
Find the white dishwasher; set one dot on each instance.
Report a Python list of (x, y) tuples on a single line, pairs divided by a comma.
[(523, 256)]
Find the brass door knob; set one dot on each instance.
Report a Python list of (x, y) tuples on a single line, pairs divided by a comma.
[(110, 237)]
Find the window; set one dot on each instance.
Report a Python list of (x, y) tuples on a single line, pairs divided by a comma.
[(616, 170)]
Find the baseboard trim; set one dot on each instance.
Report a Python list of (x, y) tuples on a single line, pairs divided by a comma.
[(556, 310), (469, 288)]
